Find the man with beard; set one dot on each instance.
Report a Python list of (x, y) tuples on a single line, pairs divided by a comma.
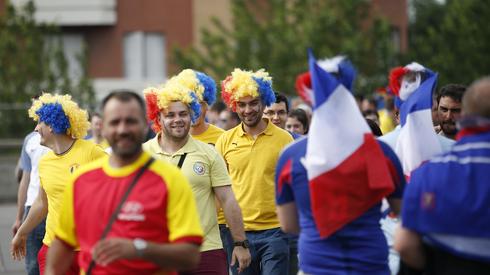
[(155, 230), (61, 125), (449, 108), (172, 108), (251, 151)]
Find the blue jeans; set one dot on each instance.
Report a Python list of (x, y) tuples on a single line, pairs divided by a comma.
[(269, 250), (227, 241), (293, 254), (34, 242)]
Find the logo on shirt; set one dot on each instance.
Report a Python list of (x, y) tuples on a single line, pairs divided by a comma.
[(199, 168), (74, 167), (132, 211), (428, 200)]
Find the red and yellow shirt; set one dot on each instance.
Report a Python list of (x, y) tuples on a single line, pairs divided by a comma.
[(161, 208)]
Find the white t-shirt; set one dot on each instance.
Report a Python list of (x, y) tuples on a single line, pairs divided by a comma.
[(32, 151)]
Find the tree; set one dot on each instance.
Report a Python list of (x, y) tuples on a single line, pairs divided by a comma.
[(275, 35), (31, 61), (451, 38)]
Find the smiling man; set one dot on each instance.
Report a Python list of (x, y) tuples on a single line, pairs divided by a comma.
[(172, 109), (251, 151)]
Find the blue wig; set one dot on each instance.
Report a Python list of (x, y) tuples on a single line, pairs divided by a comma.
[(209, 87), (265, 90), (52, 114), (195, 107)]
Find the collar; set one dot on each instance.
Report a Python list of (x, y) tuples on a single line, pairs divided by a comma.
[(471, 131), (269, 129), (189, 147), (125, 170)]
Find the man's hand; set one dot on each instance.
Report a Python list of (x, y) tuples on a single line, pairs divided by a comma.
[(110, 250), (18, 246), (16, 226), (242, 255)]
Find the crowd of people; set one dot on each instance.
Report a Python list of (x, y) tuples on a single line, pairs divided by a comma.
[(178, 182)]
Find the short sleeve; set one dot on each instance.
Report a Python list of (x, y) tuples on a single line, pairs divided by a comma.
[(183, 220), (66, 224), (283, 179), (25, 160), (219, 173), (97, 152)]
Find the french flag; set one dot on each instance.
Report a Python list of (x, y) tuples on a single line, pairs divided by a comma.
[(347, 170), (417, 141)]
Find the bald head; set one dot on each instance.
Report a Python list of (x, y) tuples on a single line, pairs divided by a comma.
[(476, 101)]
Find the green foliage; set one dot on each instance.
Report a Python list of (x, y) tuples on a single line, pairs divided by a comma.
[(451, 38), (275, 35), (32, 61)]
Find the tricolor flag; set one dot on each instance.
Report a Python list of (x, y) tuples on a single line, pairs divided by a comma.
[(347, 170), (417, 141)]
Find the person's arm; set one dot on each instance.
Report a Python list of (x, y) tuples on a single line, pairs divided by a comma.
[(409, 244), (288, 217), (233, 216), (38, 212), (173, 256), (395, 204), (59, 259), (21, 200)]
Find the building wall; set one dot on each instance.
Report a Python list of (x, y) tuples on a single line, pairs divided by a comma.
[(203, 12), (396, 12), (172, 18)]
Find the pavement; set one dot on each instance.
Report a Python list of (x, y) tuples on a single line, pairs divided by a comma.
[(7, 265)]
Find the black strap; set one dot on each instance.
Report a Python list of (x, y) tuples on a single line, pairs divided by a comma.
[(181, 160), (118, 208)]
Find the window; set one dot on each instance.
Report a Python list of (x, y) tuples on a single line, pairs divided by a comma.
[(144, 55)]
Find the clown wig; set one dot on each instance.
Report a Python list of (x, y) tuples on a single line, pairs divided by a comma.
[(200, 83), (61, 113), (160, 98), (247, 83)]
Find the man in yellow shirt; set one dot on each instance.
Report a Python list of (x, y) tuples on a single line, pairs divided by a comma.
[(61, 125), (156, 230), (251, 151), (172, 108)]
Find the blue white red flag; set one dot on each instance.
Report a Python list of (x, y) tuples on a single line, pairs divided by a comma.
[(417, 141), (347, 170)]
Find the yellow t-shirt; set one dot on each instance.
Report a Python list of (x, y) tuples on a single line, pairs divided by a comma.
[(160, 208), (54, 173), (104, 144), (205, 169), (386, 122), (210, 136), (251, 164)]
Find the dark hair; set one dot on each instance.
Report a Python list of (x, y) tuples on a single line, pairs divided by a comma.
[(454, 91), (125, 96), (218, 106), (374, 127), (302, 117), (92, 114), (282, 98)]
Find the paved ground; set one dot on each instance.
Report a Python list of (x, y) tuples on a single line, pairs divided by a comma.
[(7, 265)]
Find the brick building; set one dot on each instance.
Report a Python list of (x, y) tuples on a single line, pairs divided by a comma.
[(129, 42)]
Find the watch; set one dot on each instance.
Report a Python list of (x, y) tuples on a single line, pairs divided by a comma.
[(140, 246), (244, 244)]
